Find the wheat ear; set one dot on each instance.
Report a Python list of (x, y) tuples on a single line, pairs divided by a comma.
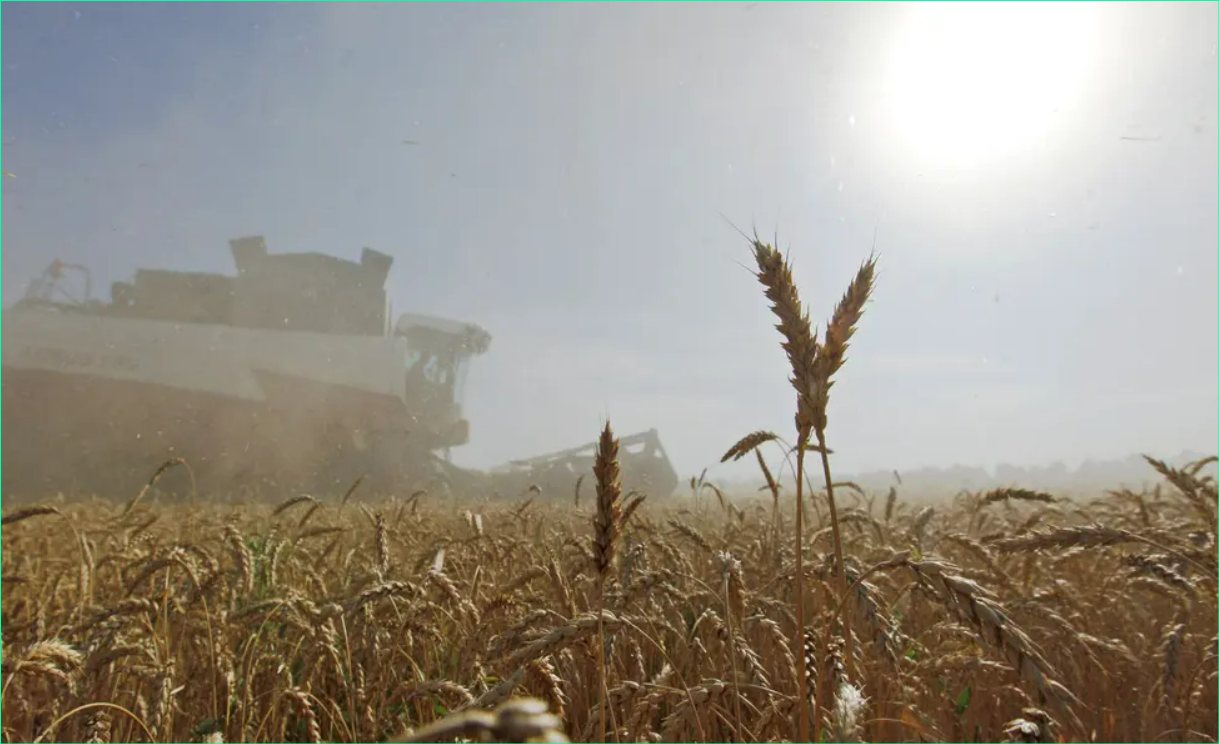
[(837, 337), (800, 343), (607, 525)]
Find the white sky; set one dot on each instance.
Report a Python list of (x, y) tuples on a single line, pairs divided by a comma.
[(1047, 289)]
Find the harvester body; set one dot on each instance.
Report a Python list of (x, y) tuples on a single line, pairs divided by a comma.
[(291, 375)]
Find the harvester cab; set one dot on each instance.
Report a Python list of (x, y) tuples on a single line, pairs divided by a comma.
[(439, 351)]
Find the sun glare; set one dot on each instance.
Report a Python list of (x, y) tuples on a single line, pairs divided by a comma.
[(969, 82)]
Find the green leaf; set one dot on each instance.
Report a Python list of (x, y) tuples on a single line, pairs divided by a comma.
[(205, 727), (963, 699)]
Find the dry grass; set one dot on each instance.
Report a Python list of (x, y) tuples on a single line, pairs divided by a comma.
[(242, 622), (1010, 615)]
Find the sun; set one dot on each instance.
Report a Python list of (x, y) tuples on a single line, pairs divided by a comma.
[(969, 82)]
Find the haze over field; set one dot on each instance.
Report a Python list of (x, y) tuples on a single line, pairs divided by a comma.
[(557, 174)]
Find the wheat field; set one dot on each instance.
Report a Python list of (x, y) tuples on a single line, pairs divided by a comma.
[(815, 612)]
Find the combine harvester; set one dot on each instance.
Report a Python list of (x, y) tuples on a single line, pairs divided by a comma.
[(291, 376)]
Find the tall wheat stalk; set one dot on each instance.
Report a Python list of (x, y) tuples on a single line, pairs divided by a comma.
[(813, 366), (607, 525)]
